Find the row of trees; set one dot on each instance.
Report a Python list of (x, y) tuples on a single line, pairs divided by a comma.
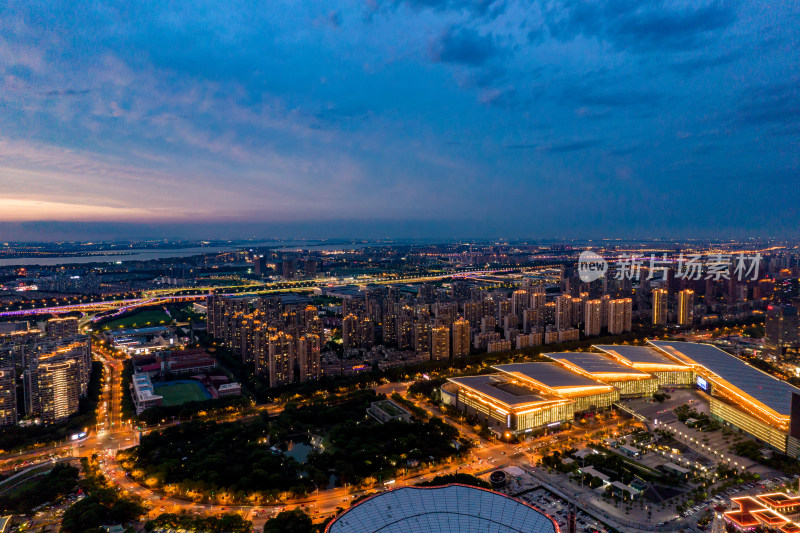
[(227, 523), (102, 505)]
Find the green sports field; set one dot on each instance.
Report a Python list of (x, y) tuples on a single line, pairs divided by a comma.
[(141, 319), (180, 392)]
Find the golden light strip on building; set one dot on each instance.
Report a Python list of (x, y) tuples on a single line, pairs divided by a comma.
[(748, 401), (584, 391), (790, 501), (504, 408), (655, 367), (602, 376), (741, 510), (543, 407), (738, 395), (560, 391), (483, 400)]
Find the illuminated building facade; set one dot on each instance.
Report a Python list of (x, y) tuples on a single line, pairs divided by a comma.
[(670, 373), (620, 313), (53, 386), (685, 307), (593, 317), (741, 395), (60, 328), (308, 357), (281, 359), (774, 511), (282, 342), (660, 306), (8, 396), (440, 343), (524, 397), (629, 381), (782, 329), (461, 344)]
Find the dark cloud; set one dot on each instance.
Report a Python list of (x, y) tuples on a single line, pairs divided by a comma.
[(344, 117), (777, 103), (68, 92), (476, 9), (463, 46), (626, 150), (486, 76), (593, 112), (705, 62), (603, 94), (574, 146), (492, 8), (336, 115), (333, 19), (643, 26)]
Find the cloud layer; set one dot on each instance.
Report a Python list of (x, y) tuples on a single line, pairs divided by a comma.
[(499, 117)]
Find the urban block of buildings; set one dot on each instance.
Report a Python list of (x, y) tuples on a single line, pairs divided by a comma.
[(54, 363), (521, 398)]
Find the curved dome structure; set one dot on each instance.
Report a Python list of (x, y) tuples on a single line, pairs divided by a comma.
[(447, 509)]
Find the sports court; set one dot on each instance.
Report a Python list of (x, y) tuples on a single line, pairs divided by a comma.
[(180, 392)]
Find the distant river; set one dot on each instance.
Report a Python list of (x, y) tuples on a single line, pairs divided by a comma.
[(144, 254)]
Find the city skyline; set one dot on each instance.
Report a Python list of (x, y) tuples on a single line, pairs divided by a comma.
[(416, 119)]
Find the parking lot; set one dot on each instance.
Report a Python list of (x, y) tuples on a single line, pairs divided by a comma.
[(557, 508)]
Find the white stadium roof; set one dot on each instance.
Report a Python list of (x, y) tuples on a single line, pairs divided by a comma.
[(447, 509)]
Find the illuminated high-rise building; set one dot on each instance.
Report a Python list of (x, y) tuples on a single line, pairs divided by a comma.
[(660, 306), (281, 359), (531, 319), (54, 381), (60, 328), (782, 329), (422, 337), (8, 396), (261, 336), (289, 267), (520, 300), (593, 317), (620, 313), (578, 310), (605, 302), (563, 318), (440, 343), (308, 348), (350, 333), (537, 299), (404, 330), (366, 334), (504, 309), (685, 307), (259, 265), (78, 348), (461, 341)]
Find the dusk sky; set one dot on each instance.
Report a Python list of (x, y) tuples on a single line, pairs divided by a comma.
[(416, 118)]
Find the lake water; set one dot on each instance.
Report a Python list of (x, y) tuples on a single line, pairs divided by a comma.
[(299, 451)]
